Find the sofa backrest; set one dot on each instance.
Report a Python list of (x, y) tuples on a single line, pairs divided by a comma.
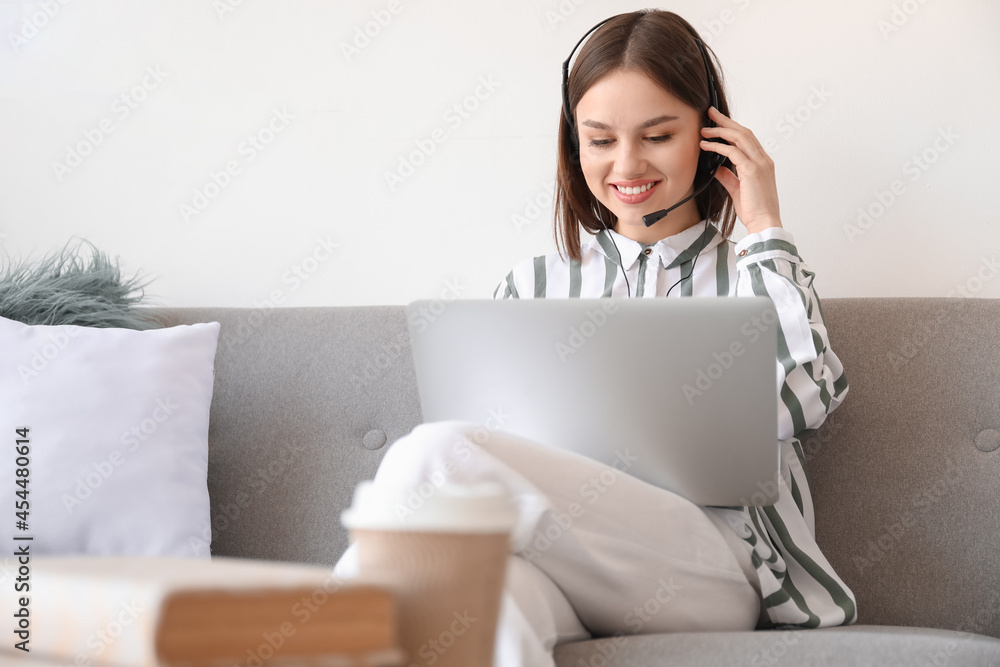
[(306, 401), (904, 473)]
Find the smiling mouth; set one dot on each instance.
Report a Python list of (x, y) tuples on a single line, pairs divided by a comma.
[(637, 190), (640, 194)]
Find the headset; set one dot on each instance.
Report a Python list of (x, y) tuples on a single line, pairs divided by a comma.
[(708, 161)]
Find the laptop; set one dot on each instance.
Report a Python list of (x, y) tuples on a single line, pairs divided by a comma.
[(680, 393)]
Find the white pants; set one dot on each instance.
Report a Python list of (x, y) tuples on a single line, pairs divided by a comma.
[(595, 551)]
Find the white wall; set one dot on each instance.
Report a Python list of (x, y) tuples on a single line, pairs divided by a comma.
[(221, 76)]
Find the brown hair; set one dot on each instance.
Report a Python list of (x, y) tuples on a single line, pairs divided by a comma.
[(661, 45)]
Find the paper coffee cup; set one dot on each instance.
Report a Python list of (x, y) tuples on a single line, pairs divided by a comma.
[(444, 557), (483, 507)]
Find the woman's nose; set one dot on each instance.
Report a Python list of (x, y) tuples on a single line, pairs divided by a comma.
[(631, 158)]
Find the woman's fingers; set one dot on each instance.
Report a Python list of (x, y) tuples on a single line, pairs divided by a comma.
[(737, 135), (754, 192)]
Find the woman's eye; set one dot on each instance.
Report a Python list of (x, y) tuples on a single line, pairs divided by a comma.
[(598, 143)]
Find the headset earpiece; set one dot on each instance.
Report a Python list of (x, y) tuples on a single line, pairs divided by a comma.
[(709, 161)]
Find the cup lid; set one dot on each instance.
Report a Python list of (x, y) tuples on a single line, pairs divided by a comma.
[(482, 507)]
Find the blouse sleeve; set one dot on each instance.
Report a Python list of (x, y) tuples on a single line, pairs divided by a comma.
[(507, 289), (811, 380)]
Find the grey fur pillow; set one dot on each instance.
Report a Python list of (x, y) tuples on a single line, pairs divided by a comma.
[(67, 287)]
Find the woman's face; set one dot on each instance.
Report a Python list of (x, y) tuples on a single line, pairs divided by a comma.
[(632, 134)]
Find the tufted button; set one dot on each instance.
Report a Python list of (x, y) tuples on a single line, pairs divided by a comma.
[(988, 440), (374, 438)]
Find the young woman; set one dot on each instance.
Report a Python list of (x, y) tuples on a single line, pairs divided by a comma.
[(597, 552)]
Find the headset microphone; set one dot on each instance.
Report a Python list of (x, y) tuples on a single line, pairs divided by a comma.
[(652, 218)]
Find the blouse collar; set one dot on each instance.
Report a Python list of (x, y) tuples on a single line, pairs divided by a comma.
[(672, 250)]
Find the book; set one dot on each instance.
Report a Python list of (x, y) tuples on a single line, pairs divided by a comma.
[(87, 611)]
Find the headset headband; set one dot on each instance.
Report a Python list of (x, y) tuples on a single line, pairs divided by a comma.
[(565, 85)]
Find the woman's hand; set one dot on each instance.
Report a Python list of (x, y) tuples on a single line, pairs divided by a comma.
[(754, 193)]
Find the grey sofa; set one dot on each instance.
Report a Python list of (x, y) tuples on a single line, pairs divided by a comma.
[(905, 473)]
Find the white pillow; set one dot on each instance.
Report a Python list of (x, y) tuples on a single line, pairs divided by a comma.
[(117, 436)]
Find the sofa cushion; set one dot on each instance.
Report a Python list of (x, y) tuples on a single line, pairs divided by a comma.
[(112, 426), (858, 646)]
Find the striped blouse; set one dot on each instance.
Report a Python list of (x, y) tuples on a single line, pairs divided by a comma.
[(798, 585)]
